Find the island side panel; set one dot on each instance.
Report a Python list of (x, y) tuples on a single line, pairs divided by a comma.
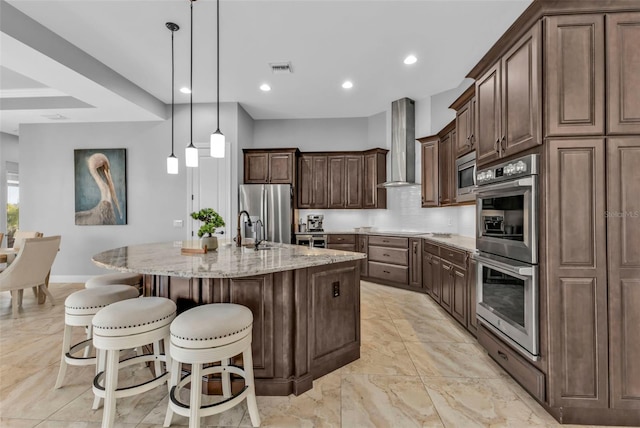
[(334, 316)]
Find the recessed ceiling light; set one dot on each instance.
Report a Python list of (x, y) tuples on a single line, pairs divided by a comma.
[(264, 87), (411, 59), (185, 90), (347, 84)]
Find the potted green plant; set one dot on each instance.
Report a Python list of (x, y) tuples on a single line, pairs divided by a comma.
[(211, 220)]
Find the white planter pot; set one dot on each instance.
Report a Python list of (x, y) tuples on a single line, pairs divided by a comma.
[(211, 242)]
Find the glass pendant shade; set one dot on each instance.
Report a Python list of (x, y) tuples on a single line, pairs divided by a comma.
[(172, 165), (191, 156), (217, 144)]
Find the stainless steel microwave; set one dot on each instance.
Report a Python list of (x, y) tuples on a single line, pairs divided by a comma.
[(466, 177)]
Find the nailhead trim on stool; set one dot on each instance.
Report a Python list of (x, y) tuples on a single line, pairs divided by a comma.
[(125, 325), (204, 335), (128, 278), (80, 307)]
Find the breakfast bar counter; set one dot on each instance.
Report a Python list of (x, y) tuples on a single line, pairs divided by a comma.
[(305, 301)]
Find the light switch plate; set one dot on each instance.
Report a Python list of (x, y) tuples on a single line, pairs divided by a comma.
[(177, 223)]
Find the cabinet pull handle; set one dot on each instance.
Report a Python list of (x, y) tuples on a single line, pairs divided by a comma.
[(496, 145), (386, 271), (415, 249), (472, 139), (503, 144), (386, 255), (503, 355)]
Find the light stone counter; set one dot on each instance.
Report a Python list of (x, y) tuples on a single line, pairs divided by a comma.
[(228, 261)]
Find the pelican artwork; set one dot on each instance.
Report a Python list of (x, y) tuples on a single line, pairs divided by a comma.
[(103, 212)]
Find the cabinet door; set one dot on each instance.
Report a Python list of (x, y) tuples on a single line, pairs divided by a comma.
[(574, 75), (305, 181), (256, 168), (488, 116), (415, 262), (472, 298), (623, 233), (446, 280), (459, 298), (623, 77), (444, 166), (375, 172), (353, 181), (521, 95), (363, 246), (281, 168), (436, 281), (577, 274), (320, 184), (427, 273), (336, 181), (463, 128), (430, 174)]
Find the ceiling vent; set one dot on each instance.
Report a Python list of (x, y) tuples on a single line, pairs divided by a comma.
[(55, 117), (281, 67)]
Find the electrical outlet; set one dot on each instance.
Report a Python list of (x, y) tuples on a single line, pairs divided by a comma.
[(450, 222), (336, 289), (177, 223)]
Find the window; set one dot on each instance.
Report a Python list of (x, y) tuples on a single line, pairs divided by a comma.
[(13, 200)]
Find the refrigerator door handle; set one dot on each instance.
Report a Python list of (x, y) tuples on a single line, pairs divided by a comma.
[(265, 214)]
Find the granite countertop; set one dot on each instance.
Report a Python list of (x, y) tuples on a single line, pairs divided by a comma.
[(465, 243), (228, 261)]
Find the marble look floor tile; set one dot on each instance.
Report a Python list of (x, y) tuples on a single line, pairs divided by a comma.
[(41, 353), (316, 408), (386, 401), (438, 331), (19, 423), (450, 360), (11, 374), (67, 424), (413, 310), (530, 401), (390, 358), (379, 329), (480, 403)]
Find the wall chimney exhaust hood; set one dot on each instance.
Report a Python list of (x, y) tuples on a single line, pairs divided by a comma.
[(403, 144)]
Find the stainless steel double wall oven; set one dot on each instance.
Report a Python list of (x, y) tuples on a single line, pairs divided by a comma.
[(507, 241)]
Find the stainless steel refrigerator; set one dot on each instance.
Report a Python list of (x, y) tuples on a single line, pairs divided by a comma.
[(273, 205)]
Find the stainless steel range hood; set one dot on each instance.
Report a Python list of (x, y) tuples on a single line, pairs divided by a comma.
[(403, 144)]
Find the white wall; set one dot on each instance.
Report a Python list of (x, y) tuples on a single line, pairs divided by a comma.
[(8, 153), (154, 198), (441, 114)]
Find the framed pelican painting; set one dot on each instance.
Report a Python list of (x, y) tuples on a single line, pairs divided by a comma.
[(101, 186)]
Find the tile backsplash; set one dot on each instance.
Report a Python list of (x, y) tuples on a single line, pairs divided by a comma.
[(403, 213)]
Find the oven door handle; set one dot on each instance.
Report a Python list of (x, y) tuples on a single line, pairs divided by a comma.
[(518, 270), (523, 182)]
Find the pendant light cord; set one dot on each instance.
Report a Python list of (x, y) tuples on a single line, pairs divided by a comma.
[(218, 61), (191, 79), (172, 91)]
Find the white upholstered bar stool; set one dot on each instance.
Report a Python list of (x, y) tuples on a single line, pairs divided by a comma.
[(209, 334), (128, 278), (79, 309), (129, 324)]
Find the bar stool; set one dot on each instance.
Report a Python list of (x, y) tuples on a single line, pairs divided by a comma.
[(79, 309), (125, 325), (204, 335), (129, 278)]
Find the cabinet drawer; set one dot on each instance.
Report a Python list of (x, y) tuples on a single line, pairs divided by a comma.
[(388, 272), (428, 247), (397, 256), (341, 239), (528, 376), (343, 247), (456, 257), (389, 241)]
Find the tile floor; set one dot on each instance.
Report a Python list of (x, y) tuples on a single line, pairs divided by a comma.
[(418, 368)]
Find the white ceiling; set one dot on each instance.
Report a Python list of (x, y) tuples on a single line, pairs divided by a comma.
[(111, 61)]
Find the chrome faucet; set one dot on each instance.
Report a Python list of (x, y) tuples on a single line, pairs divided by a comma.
[(239, 237), (261, 230)]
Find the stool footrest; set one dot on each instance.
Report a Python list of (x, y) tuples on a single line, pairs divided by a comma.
[(99, 390)]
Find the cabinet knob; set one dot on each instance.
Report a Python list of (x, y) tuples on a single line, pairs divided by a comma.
[(386, 255), (503, 144), (386, 271)]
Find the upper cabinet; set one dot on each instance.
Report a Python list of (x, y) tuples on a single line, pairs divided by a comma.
[(342, 179), (574, 75), (430, 181), (446, 163), (508, 101), (272, 166), (623, 73), (465, 107)]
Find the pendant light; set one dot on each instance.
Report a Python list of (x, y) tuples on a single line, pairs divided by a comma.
[(172, 161), (217, 138), (191, 152)]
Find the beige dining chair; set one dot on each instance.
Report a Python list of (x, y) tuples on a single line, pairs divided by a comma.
[(30, 269)]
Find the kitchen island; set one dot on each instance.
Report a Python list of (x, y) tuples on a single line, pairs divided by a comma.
[(305, 301)]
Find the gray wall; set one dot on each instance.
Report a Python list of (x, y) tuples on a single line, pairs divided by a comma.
[(154, 198), (8, 153), (441, 114)]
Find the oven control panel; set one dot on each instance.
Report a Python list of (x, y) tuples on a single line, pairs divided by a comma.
[(521, 167)]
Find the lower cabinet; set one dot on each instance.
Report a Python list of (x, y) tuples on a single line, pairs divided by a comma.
[(472, 297), (415, 263), (345, 242), (389, 260), (446, 284), (363, 247)]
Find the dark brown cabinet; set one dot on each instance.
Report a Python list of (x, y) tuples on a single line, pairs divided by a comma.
[(472, 298), (574, 75), (430, 172), (431, 270), (623, 69), (415, 262), (465, 107), (389, 260), (344, 242), (375, 173), (345, 181), (312, 181), (445, 165), (508, 101), (272, 166), (446, 284), (336, 190), (453, 276), (363, 247)]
